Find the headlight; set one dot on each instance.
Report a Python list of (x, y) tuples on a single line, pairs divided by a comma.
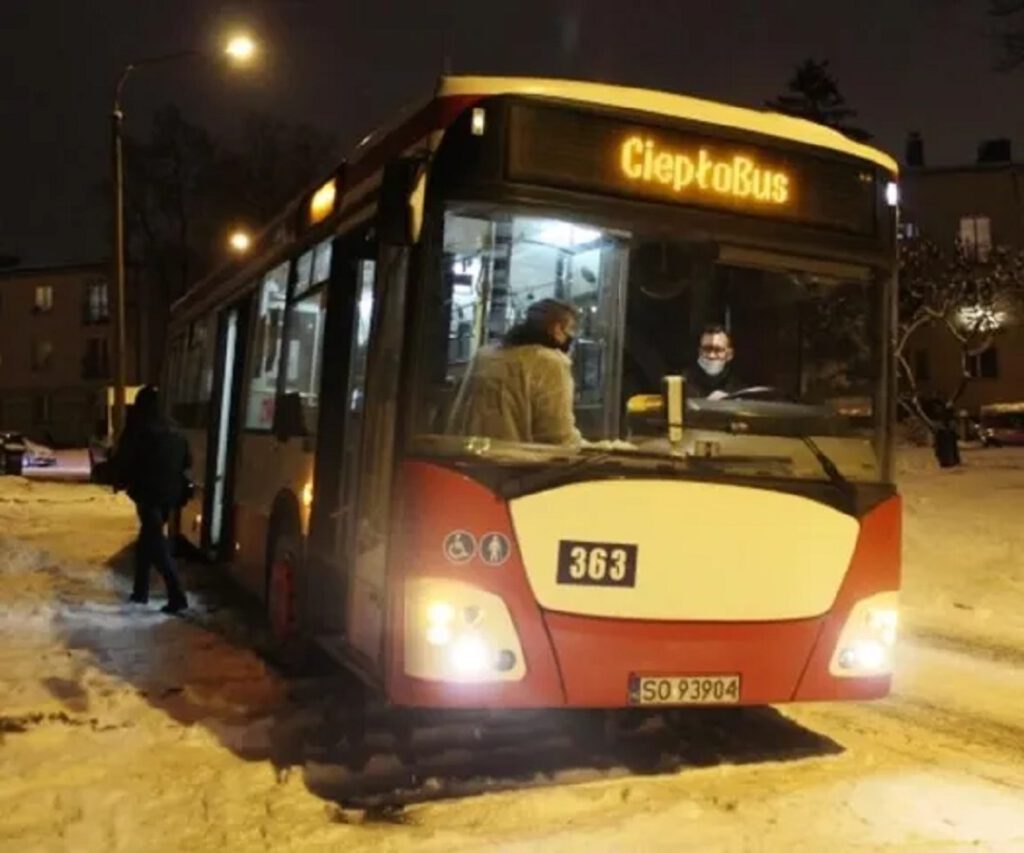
[(866, 642), (457, 632)]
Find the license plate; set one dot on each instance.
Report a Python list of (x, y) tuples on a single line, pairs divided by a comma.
[(684, 689)]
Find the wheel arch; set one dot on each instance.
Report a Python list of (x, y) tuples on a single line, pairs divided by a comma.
[(285, 519)]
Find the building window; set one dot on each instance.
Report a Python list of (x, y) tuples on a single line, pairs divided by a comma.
[(42, 355), (96, 363), (43, 299), (976, 236), (922, 366), (909, 230), (984, 365), (97, 304)]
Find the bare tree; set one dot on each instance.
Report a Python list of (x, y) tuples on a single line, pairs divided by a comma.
[(184, 189), (1010, 14), (970, 300)]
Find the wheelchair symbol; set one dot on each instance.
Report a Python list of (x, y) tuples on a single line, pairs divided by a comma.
[(495, 549), (459, 546)]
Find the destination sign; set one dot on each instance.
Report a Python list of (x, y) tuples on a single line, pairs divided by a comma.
[(579, 150)]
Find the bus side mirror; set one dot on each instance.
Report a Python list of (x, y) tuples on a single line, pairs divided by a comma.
[(400, 201), (289, 420)]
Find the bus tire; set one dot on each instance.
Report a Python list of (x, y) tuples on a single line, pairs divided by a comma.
[(283, 596)]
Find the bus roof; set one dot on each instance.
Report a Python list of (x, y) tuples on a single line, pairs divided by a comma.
[(668, 104), (421, 121)]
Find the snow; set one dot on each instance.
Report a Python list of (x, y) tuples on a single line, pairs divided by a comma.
[(124, 729)]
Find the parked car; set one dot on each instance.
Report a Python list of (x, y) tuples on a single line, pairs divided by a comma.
[(1002, 424), (38, 455)]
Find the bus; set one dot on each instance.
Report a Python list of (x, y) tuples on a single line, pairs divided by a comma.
[(737, 549)]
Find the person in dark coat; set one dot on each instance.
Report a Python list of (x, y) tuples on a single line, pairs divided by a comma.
[(150, 464), (946, 444)]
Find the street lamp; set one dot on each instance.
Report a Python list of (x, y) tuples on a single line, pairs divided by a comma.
[(240, 241), (239, 49)]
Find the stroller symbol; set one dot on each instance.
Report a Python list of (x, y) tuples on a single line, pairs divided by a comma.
[(495, 549), (459, 546)]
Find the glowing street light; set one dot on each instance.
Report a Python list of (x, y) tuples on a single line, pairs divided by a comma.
[(240, 48), (240, 241)]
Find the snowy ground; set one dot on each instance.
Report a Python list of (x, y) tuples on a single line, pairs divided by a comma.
[(122, 729)]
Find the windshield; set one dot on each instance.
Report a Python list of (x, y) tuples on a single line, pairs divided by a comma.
[(772, 349)]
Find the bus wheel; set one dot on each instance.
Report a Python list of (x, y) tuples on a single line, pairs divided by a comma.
[(283, 597)]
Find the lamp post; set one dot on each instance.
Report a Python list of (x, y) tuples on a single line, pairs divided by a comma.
[(240, 49)]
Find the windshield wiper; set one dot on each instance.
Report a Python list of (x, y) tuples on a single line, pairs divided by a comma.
[(843, 486), (534, 480)]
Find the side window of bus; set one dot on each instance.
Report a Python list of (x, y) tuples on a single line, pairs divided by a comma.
[(195, 375), (361, 337), (305, 334), (265, 357)]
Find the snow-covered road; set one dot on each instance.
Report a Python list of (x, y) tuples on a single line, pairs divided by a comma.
[(122, 729)]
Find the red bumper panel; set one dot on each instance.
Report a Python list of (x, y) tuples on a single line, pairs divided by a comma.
[(875, 567), (597, 656)]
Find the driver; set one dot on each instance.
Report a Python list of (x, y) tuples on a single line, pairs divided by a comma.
[(712, 376)]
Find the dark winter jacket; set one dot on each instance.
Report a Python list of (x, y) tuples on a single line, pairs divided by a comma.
[(151, 463)]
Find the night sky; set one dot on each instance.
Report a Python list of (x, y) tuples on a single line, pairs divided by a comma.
[(344, 65)]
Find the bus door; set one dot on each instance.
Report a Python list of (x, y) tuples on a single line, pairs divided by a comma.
[(368, 474), (219, 498), (342, 389)]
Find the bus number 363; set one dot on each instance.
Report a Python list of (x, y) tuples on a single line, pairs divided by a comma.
[(597, 563)]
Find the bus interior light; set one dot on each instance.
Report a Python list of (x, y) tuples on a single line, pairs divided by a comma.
[(565, 235), (892, 194), (478, 122)]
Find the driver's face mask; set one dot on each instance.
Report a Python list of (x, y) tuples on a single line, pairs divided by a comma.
[(711, 366)]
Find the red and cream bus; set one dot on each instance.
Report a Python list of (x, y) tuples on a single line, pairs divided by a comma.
[(743, 550)]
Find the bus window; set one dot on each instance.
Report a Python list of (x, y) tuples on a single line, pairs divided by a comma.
[(266, 350), (495, 266), (195, 374), (303, 273), (322, 262), (305, 348), (312, 268)]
